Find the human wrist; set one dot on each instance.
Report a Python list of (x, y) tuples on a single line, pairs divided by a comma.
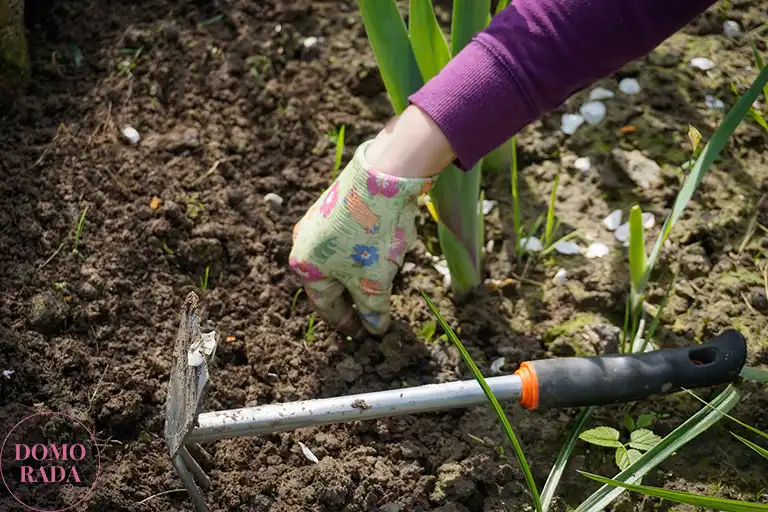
[(411, 145)]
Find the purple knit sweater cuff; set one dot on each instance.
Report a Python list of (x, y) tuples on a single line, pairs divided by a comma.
[(471, 97)]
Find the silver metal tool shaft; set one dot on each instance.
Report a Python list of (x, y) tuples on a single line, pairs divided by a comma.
[(266, 419)]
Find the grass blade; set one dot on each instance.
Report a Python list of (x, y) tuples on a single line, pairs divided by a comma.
[(339, 152), (759, 449), (551, 213), (760, 65), (754, 374), (501, 6), (515, 194), (704, 161), (428, 42), (735, 420), (692, 428), (469, 18), (491, 398), (391, 46), (683, 497), (562, 458), (636, 249)]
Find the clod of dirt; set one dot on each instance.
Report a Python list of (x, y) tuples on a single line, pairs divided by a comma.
[(47, 313), (181, 139), (758, 299), (453, 481), (88, 291), (170, 32), (640, 169), (695, 261), (562, 347), (349, 369)]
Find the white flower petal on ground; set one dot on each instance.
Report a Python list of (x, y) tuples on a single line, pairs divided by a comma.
[(583, 164), (569, 123), (597, 250), (497, 364), (613, 220), (131, 134), (489, 246), (649, 220), (714, 103), (702, 63), (593, 112), (488, 206), (600, 93), (731, 29), (567, 247), (622, 232), (7, 374), (310, 42), (308, 453), (560, 277), (531, 244), (630, 86)]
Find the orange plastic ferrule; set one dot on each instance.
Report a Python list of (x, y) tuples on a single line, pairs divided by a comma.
[(530, 386)]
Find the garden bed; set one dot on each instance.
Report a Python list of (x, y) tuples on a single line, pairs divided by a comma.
[(232, 102)]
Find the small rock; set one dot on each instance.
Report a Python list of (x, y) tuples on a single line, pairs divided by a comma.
[(130, 134), (531, 244), (171, 32), (702, 63), (561, 277), (731, 29), (390, 507), (758, 300), (310, 42), (567, 247), (569, 123), (47, 313), (274, 201), (630, 86), (593, 112), (613, 220), (583, 164), (597, 250), (408, 266), (497, 364), (177, 141), (349, 369), (642, 170), (600, 93)]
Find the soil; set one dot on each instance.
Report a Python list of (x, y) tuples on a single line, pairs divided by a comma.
[(232, 105)]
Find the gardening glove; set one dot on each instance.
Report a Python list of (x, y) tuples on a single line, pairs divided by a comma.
[(354, 239)]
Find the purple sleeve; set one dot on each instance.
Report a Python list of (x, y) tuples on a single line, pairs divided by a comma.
[(533, 56)]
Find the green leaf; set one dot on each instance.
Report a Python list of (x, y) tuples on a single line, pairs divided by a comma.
[(754, 374), (391, 46), (515, 198), (636, 250), (643, 439), (759, 449), (339, 151), (645, 420), (501, 6), (682, 497), (428, 330), (492, 399), (704, 161), (428, 41), (556, 473), (685, 433), (758, 118), (463, 274), (469, 17), (629, 423), (601, 436), (624, 457), (735, 420), (760, 65), (551, 213)]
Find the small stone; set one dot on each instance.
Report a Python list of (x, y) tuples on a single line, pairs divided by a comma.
[(274, 201), (713, 103), (531, 244), (597, 250), (131, 135), (600, 93), (561, 277), (702, 63), (630, 86), (622, 232), (593, 112), (642, 170), (567, 247), (171, 32), (349, 369), (47, 313), (497, 364), (731, 29), (613, 220), (583, 164), (390, 507), (569, 123)]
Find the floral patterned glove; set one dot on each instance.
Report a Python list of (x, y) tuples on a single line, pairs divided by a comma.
[(354, 238)]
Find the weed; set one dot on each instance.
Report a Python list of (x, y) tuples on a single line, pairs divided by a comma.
[(79, 232), (167, 249), (338, 140), (194, 206), (204, 279), (293, 302), (640, 440), (128, 63), (310, 332)]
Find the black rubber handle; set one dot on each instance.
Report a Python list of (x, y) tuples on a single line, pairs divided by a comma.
[(617, 378)]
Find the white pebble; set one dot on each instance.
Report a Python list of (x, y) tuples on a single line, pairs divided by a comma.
[(310, 42), (560, 277), (702, 63), (569, 123), (273, 199), (600, 93), (649, 220), (613, 220), (597, 250), (408, 266), (497, 364), (593, 112), (278, 28), (583, 163), (488, 206), (622, 232), (7, 374), (567, 247), (731, 29), (308, 453), (531, 244), (630, 86), (131, 134), (714, 103)]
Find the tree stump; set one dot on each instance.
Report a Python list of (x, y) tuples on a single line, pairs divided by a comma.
[(14, 58)]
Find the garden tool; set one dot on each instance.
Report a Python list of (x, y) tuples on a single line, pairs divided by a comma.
[(548, 383)]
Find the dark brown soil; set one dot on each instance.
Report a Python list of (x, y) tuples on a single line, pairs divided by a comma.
[(231, 106)]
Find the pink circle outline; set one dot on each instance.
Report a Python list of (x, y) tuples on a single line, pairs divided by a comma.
[(98, 461)]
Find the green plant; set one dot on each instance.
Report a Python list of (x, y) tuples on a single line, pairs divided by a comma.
[(310, 332), (338, 139), (194, 206), (427, 331), (515, 193), (128, 64), (79, 232), (640, 440), (293, 302), (204, 279)]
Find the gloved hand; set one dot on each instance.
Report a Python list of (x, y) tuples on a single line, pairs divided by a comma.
[(354, 238)]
